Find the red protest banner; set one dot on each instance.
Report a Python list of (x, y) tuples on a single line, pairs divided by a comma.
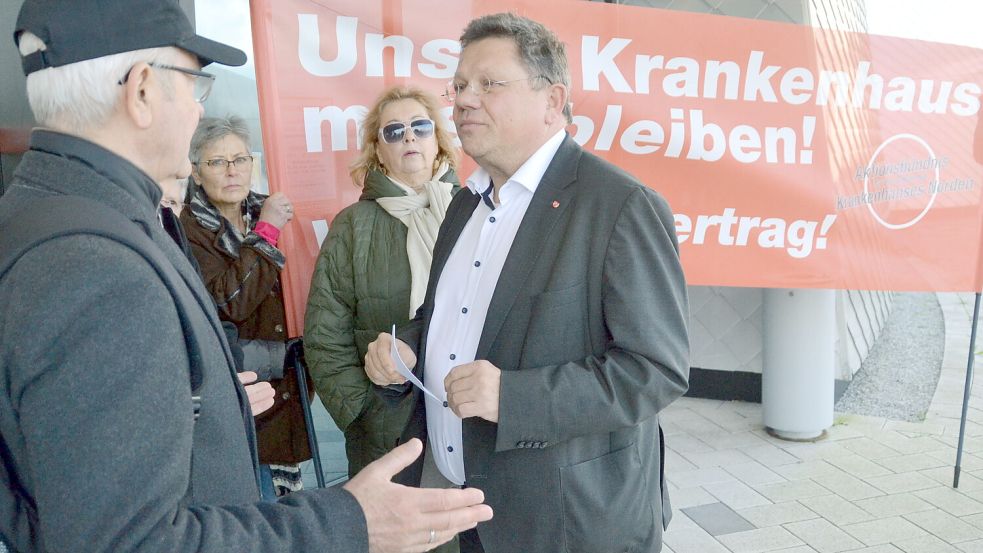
[(792, 156)]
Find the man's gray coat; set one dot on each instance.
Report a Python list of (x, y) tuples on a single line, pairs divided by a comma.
[(588, 324), (97, 429)]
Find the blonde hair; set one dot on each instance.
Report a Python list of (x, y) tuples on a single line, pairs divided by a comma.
[(368, 159), (83, 95)]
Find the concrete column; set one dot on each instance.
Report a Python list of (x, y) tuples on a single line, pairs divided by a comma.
[(798, 366)]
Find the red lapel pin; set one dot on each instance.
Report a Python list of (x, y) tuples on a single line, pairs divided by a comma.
[(556, 204)]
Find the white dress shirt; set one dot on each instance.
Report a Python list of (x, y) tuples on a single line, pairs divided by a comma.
[(464, 291)]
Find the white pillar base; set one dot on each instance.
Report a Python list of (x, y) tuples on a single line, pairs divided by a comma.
[(799, 338)]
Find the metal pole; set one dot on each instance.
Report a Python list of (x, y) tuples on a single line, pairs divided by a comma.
[(966, 392), (301, 371)]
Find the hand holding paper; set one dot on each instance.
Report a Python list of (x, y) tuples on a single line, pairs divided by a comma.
[(379, 366), (402, 369)]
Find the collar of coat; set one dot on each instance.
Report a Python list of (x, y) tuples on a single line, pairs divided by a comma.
[(378, 185), (228, 238)]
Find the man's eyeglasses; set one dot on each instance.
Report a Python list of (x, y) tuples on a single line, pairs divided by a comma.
[(483, 86), (202, 81), (394, 132), (241, 163)]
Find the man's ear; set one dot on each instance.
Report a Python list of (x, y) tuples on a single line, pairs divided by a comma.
[(556, 100), (139, 92)]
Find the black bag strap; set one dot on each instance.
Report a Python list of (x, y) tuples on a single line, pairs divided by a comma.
[(54, 217)]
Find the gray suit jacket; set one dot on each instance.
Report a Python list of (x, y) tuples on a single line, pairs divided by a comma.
[(588, 324), (97, 430)]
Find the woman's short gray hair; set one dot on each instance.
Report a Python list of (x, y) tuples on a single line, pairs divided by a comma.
[(539, 48), (211, 129)]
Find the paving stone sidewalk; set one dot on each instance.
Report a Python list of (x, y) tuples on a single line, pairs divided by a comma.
[(875, 485)]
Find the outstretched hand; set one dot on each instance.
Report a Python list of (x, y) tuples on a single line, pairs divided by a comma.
[(402, 519)]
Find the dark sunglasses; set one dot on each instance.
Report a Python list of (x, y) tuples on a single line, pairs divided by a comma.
[(394, 132)]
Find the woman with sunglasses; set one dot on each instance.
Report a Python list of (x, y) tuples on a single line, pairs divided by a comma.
[(233, 232), (374, 264)]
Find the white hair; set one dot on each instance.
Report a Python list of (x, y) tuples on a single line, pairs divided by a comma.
[(83, 95)]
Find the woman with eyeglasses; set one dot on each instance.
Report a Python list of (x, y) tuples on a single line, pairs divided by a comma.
[(374, 264), (233, 232)]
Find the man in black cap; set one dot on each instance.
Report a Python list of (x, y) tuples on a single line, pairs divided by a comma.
[(122, 424)]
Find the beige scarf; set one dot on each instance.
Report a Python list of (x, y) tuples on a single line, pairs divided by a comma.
[(422, 214)]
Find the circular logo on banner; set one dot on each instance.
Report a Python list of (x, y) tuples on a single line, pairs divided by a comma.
[(900, 181)]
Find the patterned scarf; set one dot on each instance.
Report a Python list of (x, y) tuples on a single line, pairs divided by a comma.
[(230, 240)]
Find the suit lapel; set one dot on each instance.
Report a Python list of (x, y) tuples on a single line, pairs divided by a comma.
[(553, 196), (458, 215)]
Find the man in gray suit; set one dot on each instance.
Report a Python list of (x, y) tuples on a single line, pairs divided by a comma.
[(554, 326), (123, 426)]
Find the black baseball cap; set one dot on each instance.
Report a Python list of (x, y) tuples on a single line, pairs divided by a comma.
[(78, 30)]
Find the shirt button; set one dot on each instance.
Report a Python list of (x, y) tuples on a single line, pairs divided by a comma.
[(450, 449), (453, 357), (491, 219), (477, 264), (464, 310), (278, 328)]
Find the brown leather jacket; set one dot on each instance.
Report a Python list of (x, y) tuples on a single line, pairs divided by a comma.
[(246, 289)]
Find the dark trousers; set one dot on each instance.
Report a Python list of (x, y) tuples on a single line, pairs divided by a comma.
[(470, 543)]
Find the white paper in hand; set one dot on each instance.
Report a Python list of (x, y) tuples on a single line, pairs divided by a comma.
[(402, 369)]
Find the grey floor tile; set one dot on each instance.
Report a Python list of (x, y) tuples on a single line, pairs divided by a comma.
[(968, 483), (894, 505), (690, 497), (718, 519), (818, 450), (692, 540), (791, 491), (869, 449), (805, 469), (733, 440), (858, 466), (695, 424), (899, 483), (975, 546), (975, 520), (836, 509), (760, 540), (684, 443), (969, 462), (951, 501), (840, 431), (769, 455), (925, 544), (909, 463), (777, 514), (754, 473), (699, 477), (676, 462), (716, 458), (885, 530), (736, 495), (681, 522), (904, 444), (945, 526), (847, 486), (822, 536)]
